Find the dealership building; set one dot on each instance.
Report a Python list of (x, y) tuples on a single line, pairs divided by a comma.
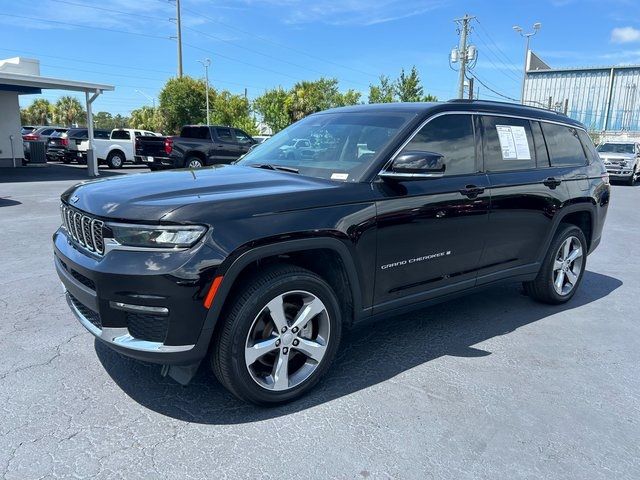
[(604, 99)]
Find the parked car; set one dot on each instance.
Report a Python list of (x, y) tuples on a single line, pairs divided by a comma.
[(56, 146), (197, 146), (120, 147), (622, 160), (79, 144), (257, 266), (39, 134), (26, 129)]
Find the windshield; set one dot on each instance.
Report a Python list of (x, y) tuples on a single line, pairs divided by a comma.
[(616, 148), (336, 146)]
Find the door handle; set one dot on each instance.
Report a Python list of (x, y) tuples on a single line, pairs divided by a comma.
[(472, 191), (552, 182)]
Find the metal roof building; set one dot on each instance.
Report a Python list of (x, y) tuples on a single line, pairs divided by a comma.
[(20, 76), (604, 99)]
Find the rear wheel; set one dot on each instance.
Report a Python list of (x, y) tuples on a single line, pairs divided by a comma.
[(562, 269), (115, 160), (193, 162), (279, 336)]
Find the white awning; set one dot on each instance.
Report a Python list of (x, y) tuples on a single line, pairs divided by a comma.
[(8, 79)]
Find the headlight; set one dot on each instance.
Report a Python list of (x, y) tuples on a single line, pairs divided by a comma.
[(181, 236)]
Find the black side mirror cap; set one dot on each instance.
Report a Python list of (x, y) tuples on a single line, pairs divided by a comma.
[(416, 165)]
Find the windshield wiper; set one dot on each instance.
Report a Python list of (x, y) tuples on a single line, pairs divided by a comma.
[(271, 166)]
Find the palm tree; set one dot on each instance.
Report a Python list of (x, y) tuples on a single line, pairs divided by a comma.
[(69, 111), (40, 111)]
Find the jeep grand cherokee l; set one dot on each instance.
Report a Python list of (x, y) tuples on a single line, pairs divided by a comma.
[(257, 266)]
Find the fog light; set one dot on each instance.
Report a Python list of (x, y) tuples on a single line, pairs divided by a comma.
[(127, 307)]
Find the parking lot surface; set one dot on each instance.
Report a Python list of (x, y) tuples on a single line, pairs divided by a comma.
[(489, 386)]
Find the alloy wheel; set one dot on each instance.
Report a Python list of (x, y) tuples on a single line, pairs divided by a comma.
[(287, 340), (567, 266), (195, 164)]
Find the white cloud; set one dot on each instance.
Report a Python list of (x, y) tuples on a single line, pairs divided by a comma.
[(349, 12), (625, 35)]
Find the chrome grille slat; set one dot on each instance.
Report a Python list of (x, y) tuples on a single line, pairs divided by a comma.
[(83, 229)]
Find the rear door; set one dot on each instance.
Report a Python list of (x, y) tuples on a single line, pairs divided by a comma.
[(244, 141), (225, 148), (526, 191), (431, 231), (568, 156)]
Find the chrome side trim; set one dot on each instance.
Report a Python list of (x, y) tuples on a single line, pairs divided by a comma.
[(122, 338), (467, 112), (129, 307)]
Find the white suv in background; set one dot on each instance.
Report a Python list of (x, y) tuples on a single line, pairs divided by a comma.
[(621, 160)]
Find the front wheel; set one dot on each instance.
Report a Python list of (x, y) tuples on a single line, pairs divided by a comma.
[(562, 269), (279, 336)]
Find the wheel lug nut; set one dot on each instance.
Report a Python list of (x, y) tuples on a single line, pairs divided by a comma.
[(296, 342), (285, 350), (277, 343), (284, 329), (294, 329)]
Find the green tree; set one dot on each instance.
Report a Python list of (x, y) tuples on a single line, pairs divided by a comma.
[(350, 97), (182, 102), (145, 118), (232, 110), (272, 107), (308, 97), (103, 121), (408, 87), (68, 110), (430, 98), (120, 121), (383, 92), (25, 117), (41, 111)]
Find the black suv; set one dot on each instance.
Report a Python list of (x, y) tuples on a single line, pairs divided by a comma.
[(257, 266)]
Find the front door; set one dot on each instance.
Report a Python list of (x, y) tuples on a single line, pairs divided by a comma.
[(431, 232), (225, 148)]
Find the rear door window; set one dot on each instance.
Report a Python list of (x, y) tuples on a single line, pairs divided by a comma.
[(542, 155), (452, 137), (564, 145), (104, 134), (225, 135), (507, 144), (121, 135), (588, 146), (242, 137)]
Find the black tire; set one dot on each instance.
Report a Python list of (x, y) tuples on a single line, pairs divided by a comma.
[(193, 162), (115, 159), (542, 287), (228, 353), (154, 168), (632, 179)]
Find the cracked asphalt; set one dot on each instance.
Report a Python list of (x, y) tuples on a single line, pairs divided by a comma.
[(489, 386)]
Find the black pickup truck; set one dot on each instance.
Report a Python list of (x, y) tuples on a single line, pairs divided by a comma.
[(197, 146)]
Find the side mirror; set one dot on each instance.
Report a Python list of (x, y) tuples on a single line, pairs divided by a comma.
[(416, 165)]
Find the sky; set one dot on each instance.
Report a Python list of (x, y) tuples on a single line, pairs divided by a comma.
[(260, 44)]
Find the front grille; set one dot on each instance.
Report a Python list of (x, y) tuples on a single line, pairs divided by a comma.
[(83, 229), (147, 327), (86, 312)]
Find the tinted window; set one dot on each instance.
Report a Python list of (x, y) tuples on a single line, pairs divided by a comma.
[(101, 134), (46, 131), (242, 137), (137, 133), (588, 146), (78, 133), (563, 144), (507, 144), (201, 133), (542, 156), (121, 135), (616, 148), (452, 137), (224, 135)]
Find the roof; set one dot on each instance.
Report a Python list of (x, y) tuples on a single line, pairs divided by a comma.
[(484, 106), (21, 83)]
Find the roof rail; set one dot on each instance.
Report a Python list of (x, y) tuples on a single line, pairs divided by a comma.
[(496, 102)]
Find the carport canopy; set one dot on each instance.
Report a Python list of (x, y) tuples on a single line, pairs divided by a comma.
[(24, 84)]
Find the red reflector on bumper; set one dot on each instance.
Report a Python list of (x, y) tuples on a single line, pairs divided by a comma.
[(212, 291)]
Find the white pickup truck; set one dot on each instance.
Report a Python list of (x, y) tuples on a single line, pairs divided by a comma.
[(120, 147)]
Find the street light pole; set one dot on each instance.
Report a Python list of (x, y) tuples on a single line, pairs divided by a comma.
[(527, 36), (206, 63)]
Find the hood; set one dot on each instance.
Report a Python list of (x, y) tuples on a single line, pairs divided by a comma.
[(153, 196)]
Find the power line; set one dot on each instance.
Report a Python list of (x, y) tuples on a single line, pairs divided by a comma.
[(508, 72), (273, 42), (491, 89), (505, 56)]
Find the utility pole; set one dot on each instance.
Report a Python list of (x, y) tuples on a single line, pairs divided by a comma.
[(206, 63), (179, 38), (471, 88), (463, 55), (536, 27)]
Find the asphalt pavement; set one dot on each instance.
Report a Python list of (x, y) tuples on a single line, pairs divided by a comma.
[(493, 385)]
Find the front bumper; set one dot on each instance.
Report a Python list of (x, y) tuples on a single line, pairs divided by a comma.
[(96, 289), (616, 172)]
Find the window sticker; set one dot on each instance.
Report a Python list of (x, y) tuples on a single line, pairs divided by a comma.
[(513, 142), (339, 176)]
